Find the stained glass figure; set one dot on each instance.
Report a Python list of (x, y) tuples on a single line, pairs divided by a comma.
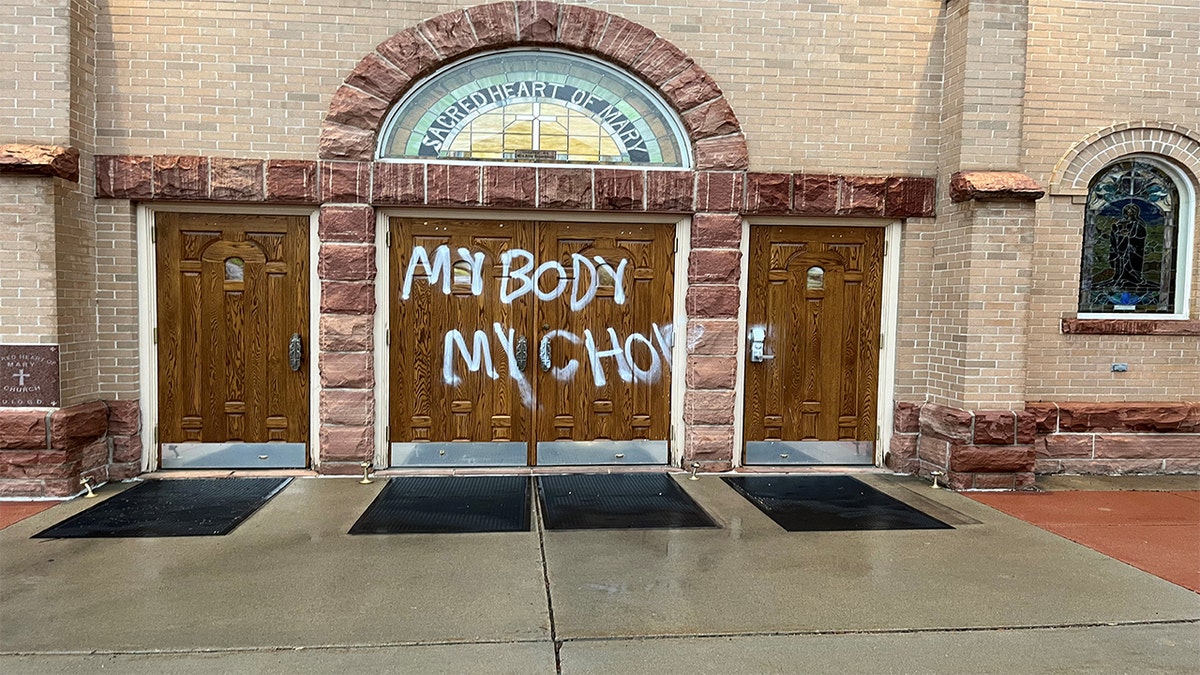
[(1129, 240), (538, 106)]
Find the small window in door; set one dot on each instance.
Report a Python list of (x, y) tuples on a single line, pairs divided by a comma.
[(235, 269), (816, 279), (463, 273)]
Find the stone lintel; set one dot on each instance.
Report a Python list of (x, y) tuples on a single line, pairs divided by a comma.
[(993, 186), (40, 160)]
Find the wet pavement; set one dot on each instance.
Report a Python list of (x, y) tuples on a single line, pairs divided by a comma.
[(290, 590)]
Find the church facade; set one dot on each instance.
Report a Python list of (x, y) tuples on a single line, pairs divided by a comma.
[(953, 238)]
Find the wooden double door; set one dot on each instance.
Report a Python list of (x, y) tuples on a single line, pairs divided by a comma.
[(520, 343), (232, 340), (813, 341)]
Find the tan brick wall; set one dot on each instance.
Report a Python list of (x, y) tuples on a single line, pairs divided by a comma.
[(34, 72), (841, 86), (116, 300), (28, 306)]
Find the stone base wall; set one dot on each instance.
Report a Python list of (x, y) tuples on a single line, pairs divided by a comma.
[(46, 453), (1005, 449)]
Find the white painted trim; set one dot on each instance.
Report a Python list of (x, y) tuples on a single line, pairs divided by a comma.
[(739, 388), (148, 311), (888, 312), (679, 356), (382, 457), (313, 348)]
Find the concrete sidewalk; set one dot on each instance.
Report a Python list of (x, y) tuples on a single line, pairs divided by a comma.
[(289, 590)]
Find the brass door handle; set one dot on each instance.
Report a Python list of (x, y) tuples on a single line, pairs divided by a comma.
[(295, 352)]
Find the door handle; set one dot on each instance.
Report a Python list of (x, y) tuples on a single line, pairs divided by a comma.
[(522, 353), (758, 338), (295, 352), (544, 353)]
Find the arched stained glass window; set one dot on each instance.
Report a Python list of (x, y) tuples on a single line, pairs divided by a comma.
[(535, 106), (1132, 245)]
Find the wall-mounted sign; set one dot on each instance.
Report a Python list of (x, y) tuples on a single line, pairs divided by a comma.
[(29, 376)]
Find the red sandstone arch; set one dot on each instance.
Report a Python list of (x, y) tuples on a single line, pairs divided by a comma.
[(382, 77)]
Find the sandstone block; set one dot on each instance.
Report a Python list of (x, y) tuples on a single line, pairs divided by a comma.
[(952, 424), (127, 449), (708, 444), (347, 333), (495, 23), (537, 22), (377, 76), (690, 88), (995, 427), (409, 52), (708, 407), (815, 195), (909, 197), (125, 176), (582, 27), (713, 302), (347, 443), (24, 429), (720, 191), (450, 33), (454, 185), (510, 186), (1066, 445), (711, 372), (354, 107), (861, 196), (710, 230), (991, 459), (1159, 417), (291, 181), (347, 370), (624, 41), (565, 188), (78, 425), (348, 182), (714, 338), (180, 177), (723, 153), (124, 417), (714, 266), (660, 62), (670, 191), (235, 179), (1147, 446), (40, 160), (768, 192), (398, 184), (934, 451), (620, 189), (347, 224), (346, 262), (714, 118), (907, 417), (353, 407), (348, 297), (993, 186)]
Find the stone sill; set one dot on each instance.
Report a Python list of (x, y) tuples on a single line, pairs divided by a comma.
[(1129, 327)]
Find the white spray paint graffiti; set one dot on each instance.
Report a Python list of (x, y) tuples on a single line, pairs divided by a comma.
[(638, 358)]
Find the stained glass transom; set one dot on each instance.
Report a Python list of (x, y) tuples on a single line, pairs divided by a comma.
[(535, 106), (1130, 240)]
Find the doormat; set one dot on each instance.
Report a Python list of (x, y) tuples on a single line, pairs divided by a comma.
[(829, 503), (448, 504), (617, 501), (171, 508)]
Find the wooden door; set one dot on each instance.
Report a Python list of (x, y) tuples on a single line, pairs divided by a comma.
[(460, 337), (232, 294), (605, 341), (815, 294), (508, 336)]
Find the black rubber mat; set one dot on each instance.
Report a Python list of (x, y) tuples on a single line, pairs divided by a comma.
[(829, 503), (171, 508), (446, 504), (617, 501)]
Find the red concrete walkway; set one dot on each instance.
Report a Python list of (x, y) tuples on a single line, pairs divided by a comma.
[(1158, 532), (13, 512)]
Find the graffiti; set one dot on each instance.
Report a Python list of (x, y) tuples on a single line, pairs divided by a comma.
[(633, 358)]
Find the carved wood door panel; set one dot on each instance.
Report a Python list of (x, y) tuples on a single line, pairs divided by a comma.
[(232, 306), (606, 341), (517, 343), (460, 392), (813, 314)]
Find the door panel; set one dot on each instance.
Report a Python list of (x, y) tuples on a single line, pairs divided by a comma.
[(232, 293), (456, 330), (510, 336), (608, 342), (814, 293)]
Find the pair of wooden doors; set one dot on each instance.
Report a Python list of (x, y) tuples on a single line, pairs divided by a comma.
[(521, 343), (812, 365), (232, 338)]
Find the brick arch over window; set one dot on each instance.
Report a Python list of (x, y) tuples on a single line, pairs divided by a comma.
[(1077, 168), (382, 77)]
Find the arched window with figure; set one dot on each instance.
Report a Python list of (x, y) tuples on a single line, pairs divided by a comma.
[(1136, 237)]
